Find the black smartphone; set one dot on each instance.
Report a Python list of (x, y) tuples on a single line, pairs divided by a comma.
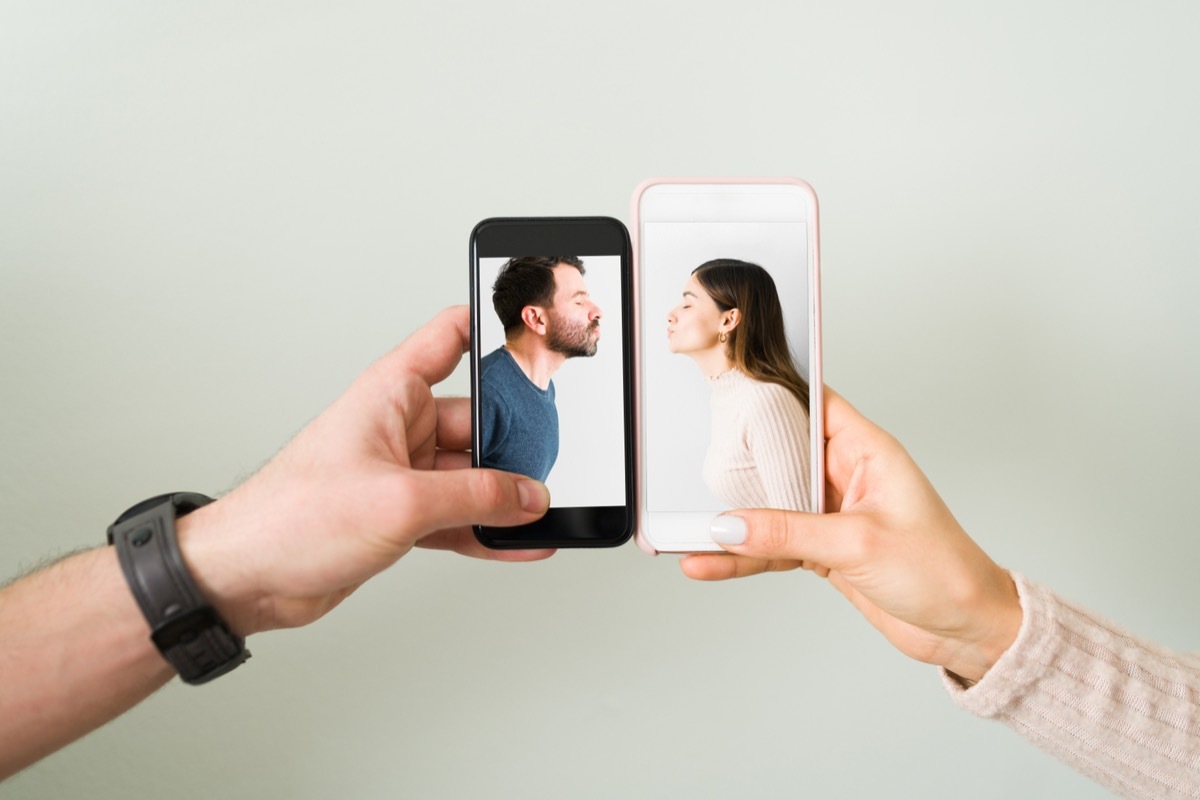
[(551, 373)]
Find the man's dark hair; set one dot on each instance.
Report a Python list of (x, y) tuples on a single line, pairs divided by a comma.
[(526, 281)]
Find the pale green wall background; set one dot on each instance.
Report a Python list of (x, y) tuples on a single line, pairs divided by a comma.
[(213, 215)]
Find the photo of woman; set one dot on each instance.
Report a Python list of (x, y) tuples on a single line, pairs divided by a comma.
[(730, 323)]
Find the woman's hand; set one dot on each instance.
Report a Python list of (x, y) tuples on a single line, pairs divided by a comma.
[(891, 546)]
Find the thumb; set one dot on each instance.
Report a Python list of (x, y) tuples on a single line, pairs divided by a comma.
[(771, 534), (453, 498)]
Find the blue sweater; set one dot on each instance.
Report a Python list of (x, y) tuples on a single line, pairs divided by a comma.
[(518, 421)]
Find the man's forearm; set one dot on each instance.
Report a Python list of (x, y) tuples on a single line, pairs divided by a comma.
[(75, 652)]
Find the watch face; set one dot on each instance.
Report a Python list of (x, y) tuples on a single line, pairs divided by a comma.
[(183, 502)]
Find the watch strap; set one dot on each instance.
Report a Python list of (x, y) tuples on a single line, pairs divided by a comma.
[(184, 627)]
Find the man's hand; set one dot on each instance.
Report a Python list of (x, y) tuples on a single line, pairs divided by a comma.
[(384, 469), (892, 547)]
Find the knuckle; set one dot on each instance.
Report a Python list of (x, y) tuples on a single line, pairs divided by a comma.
[(745, 567), (866, 543), (490, 489), (776, 533)]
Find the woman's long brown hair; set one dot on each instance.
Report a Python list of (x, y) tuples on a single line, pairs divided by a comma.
[(758, 345)]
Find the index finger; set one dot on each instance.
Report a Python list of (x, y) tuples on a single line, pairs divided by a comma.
[(723, 566), (433, 350), (453, 423), (463, 541), (840, 415)]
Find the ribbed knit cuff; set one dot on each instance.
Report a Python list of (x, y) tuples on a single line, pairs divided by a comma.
[(1119, 709), (1022, 665)]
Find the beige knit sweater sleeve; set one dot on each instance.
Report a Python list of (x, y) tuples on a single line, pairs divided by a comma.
[(1121, 710)]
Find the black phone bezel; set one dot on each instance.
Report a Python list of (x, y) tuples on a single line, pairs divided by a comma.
[(506, 237)]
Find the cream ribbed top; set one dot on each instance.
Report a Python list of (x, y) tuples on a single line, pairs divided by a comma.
[(1117, 708), (758, 456)]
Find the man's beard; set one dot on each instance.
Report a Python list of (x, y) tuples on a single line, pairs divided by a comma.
[(572, 339)]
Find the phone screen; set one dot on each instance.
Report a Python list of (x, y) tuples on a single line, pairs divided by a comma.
[(551, 366), (729, 344)]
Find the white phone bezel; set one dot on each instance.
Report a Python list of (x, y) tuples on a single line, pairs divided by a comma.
[(713, 200)]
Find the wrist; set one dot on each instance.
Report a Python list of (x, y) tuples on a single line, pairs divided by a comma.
[(997, 622), (185, 627), (218, 568)]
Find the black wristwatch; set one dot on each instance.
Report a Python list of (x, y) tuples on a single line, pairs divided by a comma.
[(185, 629)]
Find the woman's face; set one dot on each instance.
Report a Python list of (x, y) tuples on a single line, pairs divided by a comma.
[(694, 325)]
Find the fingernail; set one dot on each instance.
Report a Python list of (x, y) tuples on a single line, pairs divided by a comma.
[(535, 498), (728, 529)]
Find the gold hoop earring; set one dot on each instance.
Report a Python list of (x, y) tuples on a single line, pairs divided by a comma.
[(722, 337)]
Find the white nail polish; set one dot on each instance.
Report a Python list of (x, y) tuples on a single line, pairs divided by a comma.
[(728, 529)]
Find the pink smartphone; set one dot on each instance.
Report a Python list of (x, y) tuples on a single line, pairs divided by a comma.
[(727, 327)]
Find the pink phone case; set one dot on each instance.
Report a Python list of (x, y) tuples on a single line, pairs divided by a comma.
[(816, 387)]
